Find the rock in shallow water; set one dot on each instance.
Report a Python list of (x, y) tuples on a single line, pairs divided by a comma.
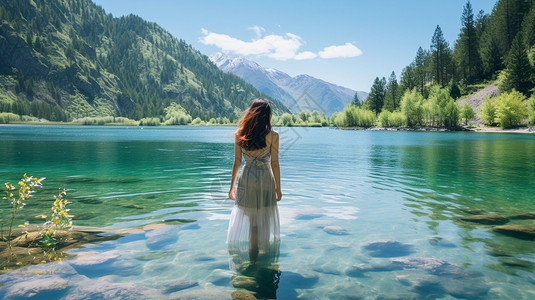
[(336, 230), (102, 289), (489, 219), (387, 248), (37, 286), (524, 216), (517, 231)]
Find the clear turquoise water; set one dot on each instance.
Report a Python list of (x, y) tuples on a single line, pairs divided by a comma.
[(341, 191)]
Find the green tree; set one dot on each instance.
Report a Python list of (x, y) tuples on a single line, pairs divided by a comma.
[(492, 57), (420, 68), (439, 57), (467, 113), (356, 101), (518, 72), (391, 102), (411, 107), (376, 97), (451, 114), (488, 111), (468, 46), (510, 109), (531, 110)]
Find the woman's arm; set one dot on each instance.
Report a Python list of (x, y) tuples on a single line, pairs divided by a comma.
[(275, 163), (235, 169)]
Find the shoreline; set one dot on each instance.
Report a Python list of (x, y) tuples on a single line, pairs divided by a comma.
[(523, 130)]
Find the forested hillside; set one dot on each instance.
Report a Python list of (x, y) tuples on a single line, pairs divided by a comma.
[(496, 48), (62, 59)]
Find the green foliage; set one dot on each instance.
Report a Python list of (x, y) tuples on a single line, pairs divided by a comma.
[(451, 114), (355, 116), (411, 107), (96, 65), (60, 219), (467, 113), (198, 122), (467, 47), (94, 120), (440, 57), (519, 71), (384, 118), (375, 100), (391, 102), (531, 110), (510, 109), (356, 101), (149, 122), (397, 119), (488, 111), (6, 118), (27, 186), (175, 114)]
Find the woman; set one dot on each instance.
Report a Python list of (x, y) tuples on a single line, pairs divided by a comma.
[(254, 221)]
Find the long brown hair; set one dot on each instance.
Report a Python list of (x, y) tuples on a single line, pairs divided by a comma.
[(254, 125)]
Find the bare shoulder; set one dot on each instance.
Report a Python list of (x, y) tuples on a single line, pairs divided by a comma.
[(275, 133)]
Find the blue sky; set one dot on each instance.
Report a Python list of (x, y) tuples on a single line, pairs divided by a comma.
[(344, 42)]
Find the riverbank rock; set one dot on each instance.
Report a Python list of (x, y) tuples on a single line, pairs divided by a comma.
[(387, 248), (488, 219), (524, 216), (517, 231)]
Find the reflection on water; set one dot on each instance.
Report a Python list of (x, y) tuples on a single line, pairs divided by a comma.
[(258, 276)]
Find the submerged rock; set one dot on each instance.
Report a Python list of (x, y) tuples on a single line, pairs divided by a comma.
[(517, 263), (432, 265), (161, 237), (489, 219), (336, 230), (475, 211), (94, 258), (517, 231), (387, 248), (440, 242), (524, 216), (102, 289), (39, 286), (176, 285)]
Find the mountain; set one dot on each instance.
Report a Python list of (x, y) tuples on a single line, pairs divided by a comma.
[(298, 93), (68, 58)]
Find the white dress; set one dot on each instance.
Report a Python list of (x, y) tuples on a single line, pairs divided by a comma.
[(255, 216)]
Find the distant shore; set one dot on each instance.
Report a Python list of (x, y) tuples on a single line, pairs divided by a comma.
[(525, 130), (528, 130)]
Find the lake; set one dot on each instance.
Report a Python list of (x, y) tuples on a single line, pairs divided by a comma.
[(364, 214)]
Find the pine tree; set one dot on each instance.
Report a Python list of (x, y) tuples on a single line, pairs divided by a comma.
[(376, 97), (356, 101), (420, 68), (518, 70), (391, 102), (470, 60), (492, 58), (439, 48)]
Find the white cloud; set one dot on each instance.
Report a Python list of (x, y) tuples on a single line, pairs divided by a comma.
[(347, 50), (258, 30), (305, 55), (280, 47)]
